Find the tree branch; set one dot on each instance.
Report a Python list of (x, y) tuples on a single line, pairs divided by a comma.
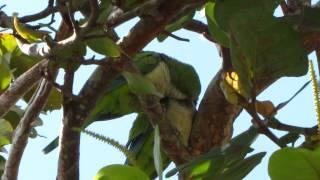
[(276, 124), (201, 28), (22, 132), (21, 86)]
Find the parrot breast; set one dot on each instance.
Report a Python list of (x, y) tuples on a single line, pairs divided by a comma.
[(160, 77), (180, 115)]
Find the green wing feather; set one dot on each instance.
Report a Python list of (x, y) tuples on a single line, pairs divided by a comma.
[(140, 144)]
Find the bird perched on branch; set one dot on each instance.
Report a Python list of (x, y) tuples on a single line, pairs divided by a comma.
[(178, 87)]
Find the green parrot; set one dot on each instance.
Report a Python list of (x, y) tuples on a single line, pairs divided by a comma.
[(176, 81)]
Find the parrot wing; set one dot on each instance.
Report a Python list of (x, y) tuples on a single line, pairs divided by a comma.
[(118, 102), (140, 144)]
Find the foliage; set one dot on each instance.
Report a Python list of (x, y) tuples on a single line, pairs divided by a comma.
[(163, 91)]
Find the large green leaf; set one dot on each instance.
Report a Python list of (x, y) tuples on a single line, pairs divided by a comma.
[(225, 11), (262, 46), (5, 132), (217, 33), (120, 172), (295, 164), (104, 46), (274, 49)]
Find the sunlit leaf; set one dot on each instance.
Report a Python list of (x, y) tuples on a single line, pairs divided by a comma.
[(5, 132), (294, 164), (26, 32), (5, 73), (7, 43), (120, 172)]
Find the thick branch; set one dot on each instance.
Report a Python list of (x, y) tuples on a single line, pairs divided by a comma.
[(214, 119), (22, 132), (21, 86), (199, 27)]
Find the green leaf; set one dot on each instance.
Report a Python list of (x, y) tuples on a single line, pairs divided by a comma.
[(54, 100), (240, 169), (176, 25), (222, 156), (7, 43), (216, 32), (282, 52), (120, 172), (13, 118), (20, 63), (157, 153), (5, 73), (105, 8), (5, 132), (290, 137), (272, 49), (225, 11), (140, 85), (295, 164), (104, 46)]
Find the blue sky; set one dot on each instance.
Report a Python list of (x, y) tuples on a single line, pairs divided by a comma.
[(198, 52)]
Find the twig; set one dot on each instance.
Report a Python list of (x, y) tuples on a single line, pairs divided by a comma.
[(22, 132), (94, 9), (261, 124), (21, 86), (176, 37), (117, 17), (43, 14), (1, 7), (199, 27), (284, 7), (276, 124)]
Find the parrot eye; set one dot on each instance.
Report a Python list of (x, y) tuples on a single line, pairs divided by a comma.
[(164, 101)]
